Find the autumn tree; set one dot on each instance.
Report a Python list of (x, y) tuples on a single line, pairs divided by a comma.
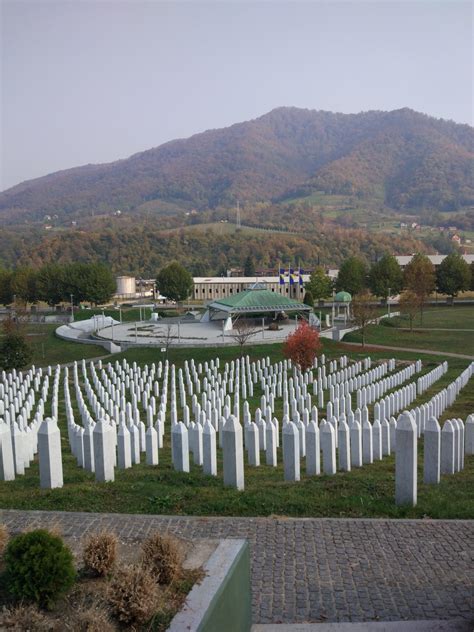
[(175, 282), (364, 312), (352, 276), (409, 306), (386, 277), (453, 275), (15, 351), (319, 284), (302, 346), (420, 278)]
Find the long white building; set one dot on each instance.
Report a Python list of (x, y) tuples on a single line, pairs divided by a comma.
[(209, 288)]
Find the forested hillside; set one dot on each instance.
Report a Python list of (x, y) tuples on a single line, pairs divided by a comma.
[(204, 249), (400, 159)]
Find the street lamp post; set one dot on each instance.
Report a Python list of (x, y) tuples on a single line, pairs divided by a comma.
[(72, 308), (333, 307), (388, 302)]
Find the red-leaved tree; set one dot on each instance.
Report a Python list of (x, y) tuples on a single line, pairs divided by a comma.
[(302, 345)]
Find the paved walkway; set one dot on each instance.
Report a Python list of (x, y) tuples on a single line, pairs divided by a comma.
[(410, 349), (432, 329), (315, 570)]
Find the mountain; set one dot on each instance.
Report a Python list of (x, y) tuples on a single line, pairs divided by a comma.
[(403, 159)]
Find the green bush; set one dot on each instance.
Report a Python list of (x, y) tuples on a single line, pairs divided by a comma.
[(38, 567)]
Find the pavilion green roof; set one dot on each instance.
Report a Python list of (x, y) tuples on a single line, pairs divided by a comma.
[(343, 297), (257, 300)]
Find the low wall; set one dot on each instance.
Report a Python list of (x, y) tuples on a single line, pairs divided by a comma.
[(64, 332), (222, 601)]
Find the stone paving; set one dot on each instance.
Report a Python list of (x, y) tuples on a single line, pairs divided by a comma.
[(310, 570)]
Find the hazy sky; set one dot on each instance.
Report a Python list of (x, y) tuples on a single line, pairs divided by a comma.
[(86, 81)]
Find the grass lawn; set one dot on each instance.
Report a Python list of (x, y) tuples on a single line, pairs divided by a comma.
[(451, 341), (49, 349), (448, 317), (366, 492)]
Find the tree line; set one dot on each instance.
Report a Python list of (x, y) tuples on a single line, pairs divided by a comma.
[(55, 283), (386, 278)]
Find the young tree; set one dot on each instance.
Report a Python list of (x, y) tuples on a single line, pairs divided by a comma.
[(420, 278), (386, 277), (249, 266), (242, 332), (166, 336), (352, 276), (6, 293), (453, 275), (175, 282), (302, 345), (319, 284), (308, 298), (409, 306), (15, 351), (364, 312)]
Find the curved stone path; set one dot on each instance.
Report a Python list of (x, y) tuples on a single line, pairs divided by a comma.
[(321, 569)]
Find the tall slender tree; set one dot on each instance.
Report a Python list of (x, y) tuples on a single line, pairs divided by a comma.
[(420, 278)]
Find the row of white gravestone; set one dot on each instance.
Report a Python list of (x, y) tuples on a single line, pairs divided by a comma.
[(22, 417), (445, 448), (198, 458), (96, 406), (456, 385), (149, 432), (18, 382)]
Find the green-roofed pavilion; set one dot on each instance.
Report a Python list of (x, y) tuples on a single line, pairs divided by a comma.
[(254, 301)]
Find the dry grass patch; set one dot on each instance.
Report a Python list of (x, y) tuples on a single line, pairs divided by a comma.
[(163, 556), (94, 617), (100, 553), (4, 537), (134, 595), (25, 617)]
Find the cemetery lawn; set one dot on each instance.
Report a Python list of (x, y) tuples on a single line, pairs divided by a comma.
[(365, 493), (456, 316), (461, 342), (396, 333), (49, 349)]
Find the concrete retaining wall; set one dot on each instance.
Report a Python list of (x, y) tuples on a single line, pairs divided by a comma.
[(222, 601)]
